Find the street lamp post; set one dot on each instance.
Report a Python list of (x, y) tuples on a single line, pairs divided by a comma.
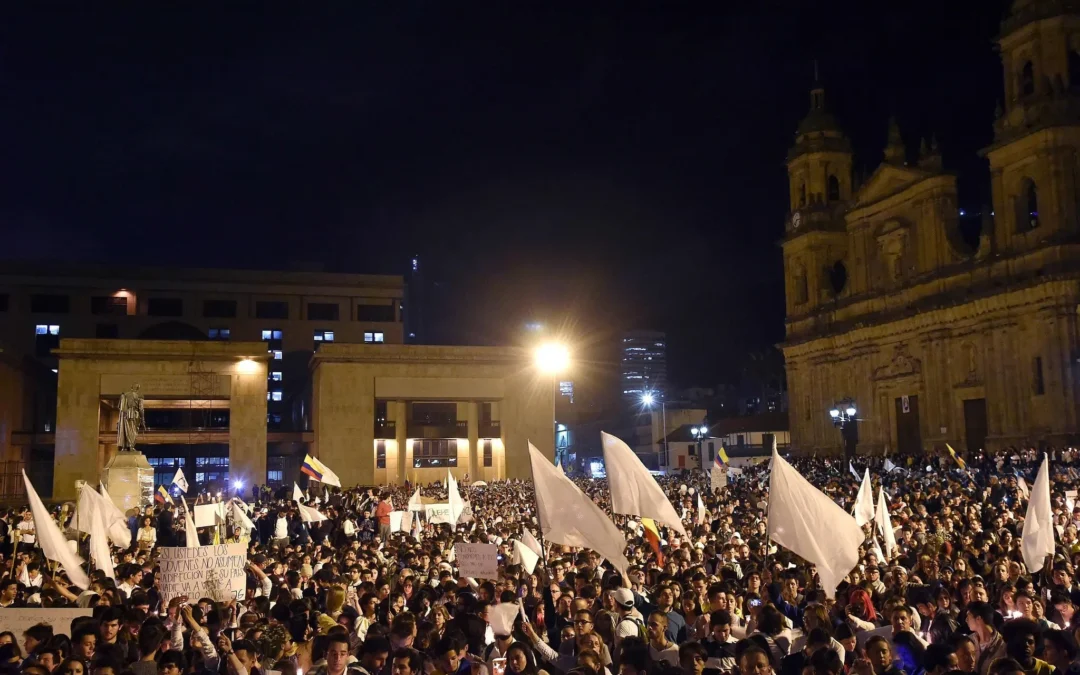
[(553, 358), (699, 434), (843, 416), (648, 399)]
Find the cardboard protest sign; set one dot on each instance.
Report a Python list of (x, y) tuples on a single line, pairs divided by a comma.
[(479, 561), (18, 620), (437, 513), (217, 572)]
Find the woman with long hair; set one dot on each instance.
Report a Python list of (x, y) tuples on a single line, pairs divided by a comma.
[(520, 661), (694, 616)]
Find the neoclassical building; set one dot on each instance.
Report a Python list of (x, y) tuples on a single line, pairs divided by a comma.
[(936, 340)]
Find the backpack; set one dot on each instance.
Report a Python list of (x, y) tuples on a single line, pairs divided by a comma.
[(642, 632)]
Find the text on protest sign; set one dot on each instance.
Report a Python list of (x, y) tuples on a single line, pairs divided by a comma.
[(479, 561), (217, 572), (18, 620)]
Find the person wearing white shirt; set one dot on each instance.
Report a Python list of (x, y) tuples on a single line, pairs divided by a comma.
[(26, 532)]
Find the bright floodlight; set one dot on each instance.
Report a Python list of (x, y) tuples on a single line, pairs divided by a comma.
[(704, 430), (695, 431), (648, 399), (834, 413), (851, 411), (552, 358), (238, 484)]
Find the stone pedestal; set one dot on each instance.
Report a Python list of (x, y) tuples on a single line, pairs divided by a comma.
[(129, 478)]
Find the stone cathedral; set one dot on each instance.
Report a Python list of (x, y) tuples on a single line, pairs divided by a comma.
[(932, 338)]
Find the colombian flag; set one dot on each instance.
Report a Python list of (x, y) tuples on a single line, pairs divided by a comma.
[(319, 471), (722, 458), (959, 460), (162, 495), (652, 535)]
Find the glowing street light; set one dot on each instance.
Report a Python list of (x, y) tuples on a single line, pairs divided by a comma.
[(552, 358), (647, 399)]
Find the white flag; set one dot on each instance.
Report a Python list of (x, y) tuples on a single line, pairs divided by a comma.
[(119, 532), (701, 513), (633, 490), (310, 514), (92, 517), (240, 518), (52, 542), (876, 549), (568, 517), (326, 495), (529, 540), (889, 466), (884, 523), (523, 555), (416, 502), (457, 504), (851, 468), (191, 535), (558, 465), (864, 501), (809, 523), (1022, 486), (297, 495), (179, 480), (1037, 541)]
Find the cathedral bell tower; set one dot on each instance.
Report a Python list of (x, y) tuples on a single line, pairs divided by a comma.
[(819, 178), (1035, 157)]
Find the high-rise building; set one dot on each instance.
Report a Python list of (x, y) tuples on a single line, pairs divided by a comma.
[(644, 364)]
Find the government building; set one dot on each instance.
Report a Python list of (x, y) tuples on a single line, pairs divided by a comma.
[(243, 373), (891, 312)]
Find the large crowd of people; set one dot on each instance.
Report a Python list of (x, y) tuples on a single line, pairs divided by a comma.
[(351, 595)]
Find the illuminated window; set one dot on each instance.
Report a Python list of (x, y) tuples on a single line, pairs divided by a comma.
[(324, 336), (380, 455), (275, 396), (434, 453), (374, 337), (46, 329), (276, 354), (275, 376), (275, 476), (220, 333)]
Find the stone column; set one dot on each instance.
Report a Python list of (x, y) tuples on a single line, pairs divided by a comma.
[(472, 418), (247, 425), (77, 456), (403, 463), (343, 417)]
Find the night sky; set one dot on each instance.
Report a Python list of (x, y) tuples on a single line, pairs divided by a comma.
[(600, 165)]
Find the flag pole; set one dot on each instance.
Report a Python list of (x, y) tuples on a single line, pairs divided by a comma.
[(539, 525)]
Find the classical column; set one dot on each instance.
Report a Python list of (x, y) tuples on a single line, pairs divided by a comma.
[(77, 455), (403, 462), (472, 417), (247, 425)]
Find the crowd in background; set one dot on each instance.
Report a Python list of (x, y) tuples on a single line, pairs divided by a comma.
[(349, 595)]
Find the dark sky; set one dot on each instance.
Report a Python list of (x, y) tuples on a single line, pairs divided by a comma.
[(606, 165)]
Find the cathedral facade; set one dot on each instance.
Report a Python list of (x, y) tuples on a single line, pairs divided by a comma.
[(890, 309)]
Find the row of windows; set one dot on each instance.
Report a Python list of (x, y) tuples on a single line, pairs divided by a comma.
[(45, 303), (111, 331)]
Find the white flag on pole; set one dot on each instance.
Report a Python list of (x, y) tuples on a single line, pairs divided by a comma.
[(297, 495), (889, 466), (1022, 486), (633, 490), (1037, 541), (416, 502), (568, 517), (310, 514), (884, 523), (809, 523), (240, 518), (191, 535), (701, 513), (851, 468), (864, 501), (119, 532), (457, 504), (179, 480), (52, 542), (525, 556), (91, 517), (529, 540)]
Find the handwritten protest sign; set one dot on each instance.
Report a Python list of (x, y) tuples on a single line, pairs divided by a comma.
[(479, 561), (437, 513), (18, 620), (217, 572)]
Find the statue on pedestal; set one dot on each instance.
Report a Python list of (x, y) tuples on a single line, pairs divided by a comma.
[(132, 419)]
